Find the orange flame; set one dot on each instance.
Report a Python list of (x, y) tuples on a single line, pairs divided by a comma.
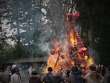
[(72, 38), (59, 59)]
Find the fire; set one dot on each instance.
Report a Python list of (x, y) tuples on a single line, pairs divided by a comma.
[(72, 38), (58, 59), (90, 61), (75, 53)]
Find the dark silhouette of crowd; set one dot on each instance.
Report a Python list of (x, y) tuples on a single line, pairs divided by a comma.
[(95, 74)]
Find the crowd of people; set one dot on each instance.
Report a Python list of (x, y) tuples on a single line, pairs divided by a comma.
[(95, 74)]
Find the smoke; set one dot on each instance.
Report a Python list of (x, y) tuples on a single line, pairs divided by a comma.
[(52, 24)]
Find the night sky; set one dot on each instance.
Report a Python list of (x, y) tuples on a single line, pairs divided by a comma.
[(97, 15), (103, 27), (104, 45)]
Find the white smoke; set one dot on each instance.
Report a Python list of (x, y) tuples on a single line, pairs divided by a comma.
[(44, 11), (45, 2), (52, 25)]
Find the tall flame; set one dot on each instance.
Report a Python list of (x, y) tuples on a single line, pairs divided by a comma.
[(76, 53), (60, 60)]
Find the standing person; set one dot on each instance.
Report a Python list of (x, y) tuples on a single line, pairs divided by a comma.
[(92, 76), (1, 74), (49, 78), (31, 68), (107, 76), (103, 70), (67, 77), (58, 78), (6, 75), (35, 78), (15, 77), (76, 75)]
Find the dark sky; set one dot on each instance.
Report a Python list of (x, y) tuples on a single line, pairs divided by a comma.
[(103, 27), (97, 14), (105, 35)]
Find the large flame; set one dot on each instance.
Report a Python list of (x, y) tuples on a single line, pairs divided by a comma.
[(60, 60), (75, 53)]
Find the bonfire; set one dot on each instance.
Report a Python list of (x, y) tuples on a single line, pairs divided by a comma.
[(75, 54)]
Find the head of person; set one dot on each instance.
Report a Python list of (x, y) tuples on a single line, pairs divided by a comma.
[(74, 69), (50, 69), (34, 73), (92, 68), (15, 70), (67, 73)]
